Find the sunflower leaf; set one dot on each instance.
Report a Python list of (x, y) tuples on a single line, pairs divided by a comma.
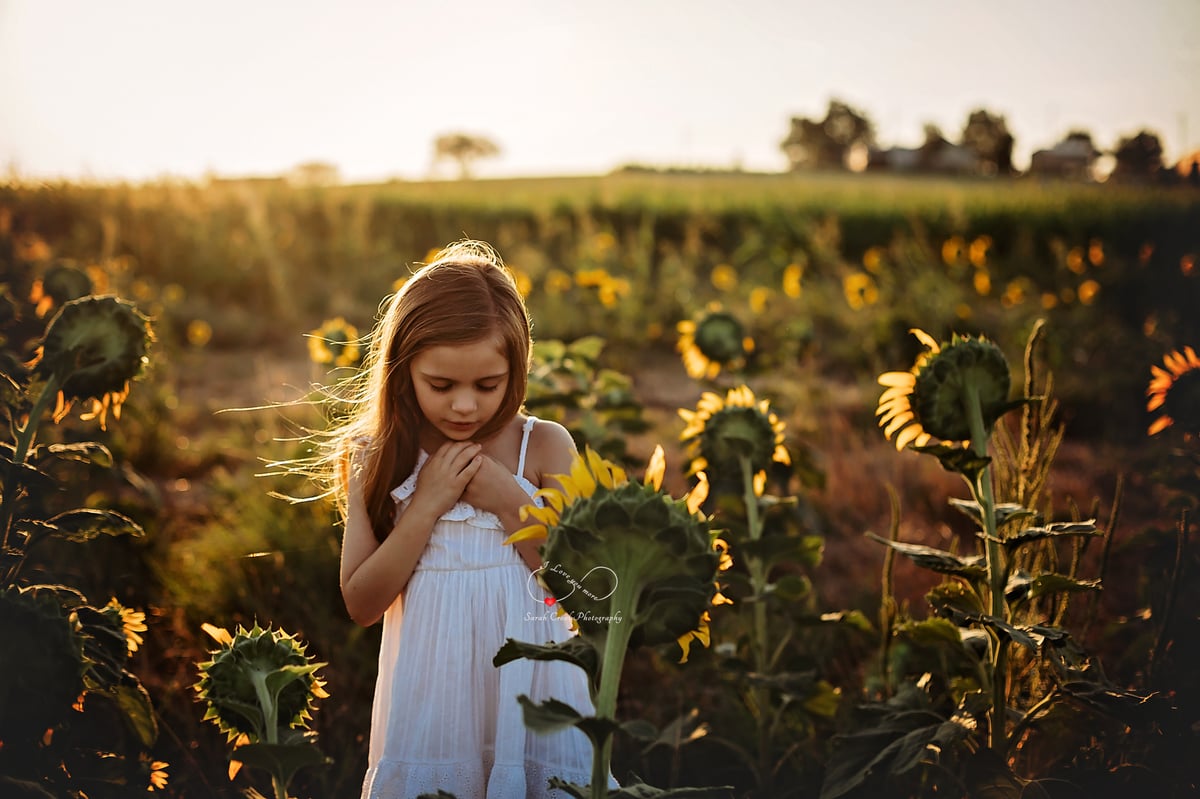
[(1005, 511), (937, 560), (1031, 534), (577, 650), (84, 524)]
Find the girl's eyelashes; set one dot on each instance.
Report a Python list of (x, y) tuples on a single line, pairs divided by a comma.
[(442, 389)]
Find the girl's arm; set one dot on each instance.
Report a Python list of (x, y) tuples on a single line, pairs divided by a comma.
[(373, 574)]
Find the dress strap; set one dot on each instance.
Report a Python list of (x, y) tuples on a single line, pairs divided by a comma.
[(525, 431)]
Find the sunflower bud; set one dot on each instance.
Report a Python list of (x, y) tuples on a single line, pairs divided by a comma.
[(62, 283), (258, 681)]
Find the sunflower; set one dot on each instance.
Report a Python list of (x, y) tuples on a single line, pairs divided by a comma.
[(712, 341), (1176, 390), (334, 342), (93, 347), (931, 401), (661, 552), (720, 432), (258, 676), (132, 623), (62, 283)]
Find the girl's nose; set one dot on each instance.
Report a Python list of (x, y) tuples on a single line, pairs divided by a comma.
[(463, 402)]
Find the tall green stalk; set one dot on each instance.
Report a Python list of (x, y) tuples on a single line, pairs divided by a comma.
[(996, 570), (616, 644), (23, 441), (758, 582)]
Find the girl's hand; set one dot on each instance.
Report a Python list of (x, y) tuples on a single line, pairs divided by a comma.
[(445, 475), (494, 489)]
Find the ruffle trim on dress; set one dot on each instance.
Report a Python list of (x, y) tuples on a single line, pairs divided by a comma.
[(461, 511), (400, 779)]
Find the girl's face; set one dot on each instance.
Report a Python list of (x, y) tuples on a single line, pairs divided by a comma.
[(459, 388)]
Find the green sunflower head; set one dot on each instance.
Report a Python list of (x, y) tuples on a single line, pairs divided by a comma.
[(963, 369), (92, 348), (41, 664), (714, 340), (257, 682), (723, 431), (937, 397)]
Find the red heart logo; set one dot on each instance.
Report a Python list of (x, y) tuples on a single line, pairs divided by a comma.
[(549, 601)]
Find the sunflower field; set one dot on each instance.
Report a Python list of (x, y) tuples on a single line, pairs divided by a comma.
[(907, 472)]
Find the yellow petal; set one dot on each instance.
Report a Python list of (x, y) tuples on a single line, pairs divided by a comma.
[(656, 468), (695, 498), (526, 534), (219, 634), (546, 516), (907, 436), (1156, 402), (926, 339), (906, 379), (555, 497), (898, 421), (760, 483), (582, 480), (1160, 424)]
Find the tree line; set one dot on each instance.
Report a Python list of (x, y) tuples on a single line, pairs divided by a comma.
[(846, 139)]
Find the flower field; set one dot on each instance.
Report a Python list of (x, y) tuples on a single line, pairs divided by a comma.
[(936, 443)]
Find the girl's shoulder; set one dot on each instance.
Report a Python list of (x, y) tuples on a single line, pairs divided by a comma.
[(551, 450)]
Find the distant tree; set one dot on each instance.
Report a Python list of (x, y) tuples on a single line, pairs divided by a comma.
[(1139, 158), (464, 149), (986, 135), (934, 143), (827, 143)]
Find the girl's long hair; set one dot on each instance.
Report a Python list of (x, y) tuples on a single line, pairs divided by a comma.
[(464, 295)]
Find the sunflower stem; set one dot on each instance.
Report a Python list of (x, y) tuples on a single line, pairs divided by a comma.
[(271, 724), (616, 643), (996, 570), (758, 580), (21, 445)]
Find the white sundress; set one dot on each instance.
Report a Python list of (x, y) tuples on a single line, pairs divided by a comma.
[(444, 718)]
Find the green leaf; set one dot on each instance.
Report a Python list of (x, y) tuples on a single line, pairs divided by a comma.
[(283, 759), (588, 348), (284, 675), (1031, 534), (851, 618), (1018, 635), (937, 560), (134, 702), (952, 594), (790, 587), (553, 715), (84, 524), (960, 460), (92, 452), (1045, 584), (1004, 511), (806, 550), (576, 649), (932, 633)]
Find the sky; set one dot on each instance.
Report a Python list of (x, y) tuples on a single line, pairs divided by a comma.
[(145, 89)]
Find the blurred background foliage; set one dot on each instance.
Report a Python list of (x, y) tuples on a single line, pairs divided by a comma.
[(826, 272)]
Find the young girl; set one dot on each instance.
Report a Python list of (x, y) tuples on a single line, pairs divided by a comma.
[(439, 460)]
